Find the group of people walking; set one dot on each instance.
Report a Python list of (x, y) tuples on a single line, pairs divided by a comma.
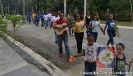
[(89, 50), (45, 19), (76, 26)]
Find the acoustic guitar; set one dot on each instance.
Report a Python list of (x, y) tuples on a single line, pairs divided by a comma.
[(60, 31)]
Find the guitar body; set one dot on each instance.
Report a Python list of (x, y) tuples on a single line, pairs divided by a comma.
[(60, 31)]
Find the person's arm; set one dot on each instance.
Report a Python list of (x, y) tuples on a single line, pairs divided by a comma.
[(54, 26), (72, 24), (90, 25), (104, 29), (83, 54), (126, 62), (100, 27)]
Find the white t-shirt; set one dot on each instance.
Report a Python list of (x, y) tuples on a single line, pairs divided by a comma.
[(56, 18), (52, 20), (90, 52), (49, 16), (45, 17)]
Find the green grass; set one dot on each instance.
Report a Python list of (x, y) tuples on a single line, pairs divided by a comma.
[(45, 55), (119, 23)]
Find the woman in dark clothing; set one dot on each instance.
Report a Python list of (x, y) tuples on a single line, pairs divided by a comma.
[(87, 20)]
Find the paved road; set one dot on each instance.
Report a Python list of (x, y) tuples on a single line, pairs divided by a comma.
[(47, 36), (11, 64)]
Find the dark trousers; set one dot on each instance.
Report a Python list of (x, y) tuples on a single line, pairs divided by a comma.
[(79, 40), (95, 36), (111, 39), (90, 68), (29, 20), (42, 22), (37, 22)]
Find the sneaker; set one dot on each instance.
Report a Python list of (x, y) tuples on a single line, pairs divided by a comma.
[(60, 55), (71, 59)]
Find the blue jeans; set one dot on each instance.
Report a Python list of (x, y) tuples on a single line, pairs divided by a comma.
[(49, 23), (95, 36), (71, 31), (37, 22), (63, 37), (56, 37), (90, 68), (111, 39), (33, 21), (46, 23)]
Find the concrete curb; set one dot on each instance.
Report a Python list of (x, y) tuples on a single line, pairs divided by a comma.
[(53, 70), (122, 27)]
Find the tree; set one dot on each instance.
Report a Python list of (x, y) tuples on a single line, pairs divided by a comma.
[(131, 5)]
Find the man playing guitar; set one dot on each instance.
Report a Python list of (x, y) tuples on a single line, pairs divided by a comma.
[(63, 36)]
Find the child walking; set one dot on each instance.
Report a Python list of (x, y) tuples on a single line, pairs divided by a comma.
[(90, 53), (119, 69)]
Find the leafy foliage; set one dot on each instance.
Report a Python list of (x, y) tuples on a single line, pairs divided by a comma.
[(3, 27), (15, 20), (117, 30)]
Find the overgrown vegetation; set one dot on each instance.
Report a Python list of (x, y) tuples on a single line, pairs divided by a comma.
[(45, 55), (117, 31), (3, 28), (16, 22)]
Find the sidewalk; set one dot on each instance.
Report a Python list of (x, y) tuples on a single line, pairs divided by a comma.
[(11, 64)]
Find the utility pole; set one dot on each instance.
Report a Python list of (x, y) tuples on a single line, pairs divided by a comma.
[(23, 6), (131, 10), (65, 8), (84, 8)]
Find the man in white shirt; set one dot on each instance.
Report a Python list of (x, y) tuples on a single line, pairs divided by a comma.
[(52, 21), (46, 20), (49, 19)]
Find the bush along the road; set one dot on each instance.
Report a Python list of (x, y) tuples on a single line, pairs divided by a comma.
[(16, 22), (3, 28)]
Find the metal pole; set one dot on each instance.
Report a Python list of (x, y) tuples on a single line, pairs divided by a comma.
[(84, 8), (23, 6), (65, 8), (131, 10)]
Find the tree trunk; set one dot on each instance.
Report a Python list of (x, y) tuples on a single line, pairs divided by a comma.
[(107, 13), (131, 10)]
